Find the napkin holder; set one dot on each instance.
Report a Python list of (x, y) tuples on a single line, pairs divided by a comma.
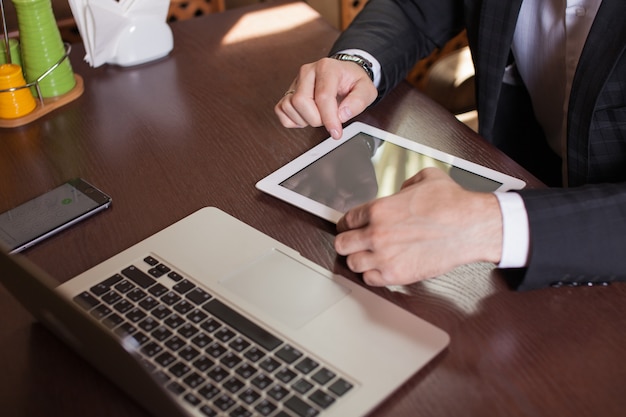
[(143, 39)]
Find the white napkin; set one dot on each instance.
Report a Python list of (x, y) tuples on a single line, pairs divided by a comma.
[(124, 32)]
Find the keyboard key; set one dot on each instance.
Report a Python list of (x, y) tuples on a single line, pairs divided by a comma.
[(100, 311), (140, 338), (242, 324), (286, 375), (218, 373), (209, 391), (112, 320), (161, 333), (138, 277), (224, 402), (161, 312), (322, 399), (340, 387), (175, 343), (188, 353), (198, 296), (174, 321), (289, 354), (201, 340), (234, 385), (148, 324), (269, 364), (187, 330), (158, 290), (125, 330), (175, 276), (230, 360), (240, 411), (165, 359), (193, 380), (148, 303), (224, 334), (106, 285), (211, 325), (302, 386), (300, 407), (170, 298), (150, 349), (265, 407), (306, 365), (262, 381), (192, 399), (278, 392), (254, 354), (135, 314), (155, 273), (124, 286), (323, 376), (216, 350), (203, 363), (208, 411), (239, 344), (176, 388), (123, 306), (249, 396), (136, 294), (246, 370), (183, 286), (184, 307), (196, 316), (150, 260), (111, 297), (164, 269), (179, 369)]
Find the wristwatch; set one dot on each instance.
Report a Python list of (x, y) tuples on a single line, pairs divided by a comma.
[(357, 59)]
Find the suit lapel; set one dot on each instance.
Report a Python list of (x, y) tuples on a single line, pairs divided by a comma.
[(604, 45), (497, 16)]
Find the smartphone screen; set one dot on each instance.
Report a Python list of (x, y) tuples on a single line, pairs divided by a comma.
[(49, 213)]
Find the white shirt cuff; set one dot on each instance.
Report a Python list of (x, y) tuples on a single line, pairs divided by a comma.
[(515, 231), (370, 58)]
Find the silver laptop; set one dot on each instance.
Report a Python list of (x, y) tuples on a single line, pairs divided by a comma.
[(212, 317)]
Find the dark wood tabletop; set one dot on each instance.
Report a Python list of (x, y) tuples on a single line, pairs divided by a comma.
[(198, 129)]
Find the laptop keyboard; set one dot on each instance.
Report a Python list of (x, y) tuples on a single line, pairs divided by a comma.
[(215, 359)]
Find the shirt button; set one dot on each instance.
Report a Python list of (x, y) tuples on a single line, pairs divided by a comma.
[(580, 11)]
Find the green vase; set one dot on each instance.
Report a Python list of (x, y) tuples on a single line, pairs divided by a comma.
[(42, 48)]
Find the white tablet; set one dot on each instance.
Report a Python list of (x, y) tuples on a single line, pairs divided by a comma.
[(368, 163)]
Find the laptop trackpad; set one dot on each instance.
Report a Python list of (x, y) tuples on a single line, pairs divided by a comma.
[(286, 289)]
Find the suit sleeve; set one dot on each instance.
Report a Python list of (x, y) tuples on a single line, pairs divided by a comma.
[(577, 235), (400, 32)]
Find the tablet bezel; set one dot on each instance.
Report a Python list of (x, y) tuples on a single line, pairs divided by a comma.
[(271, 184)]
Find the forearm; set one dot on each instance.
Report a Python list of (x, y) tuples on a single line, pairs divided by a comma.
[(577, 235), (399, 33)]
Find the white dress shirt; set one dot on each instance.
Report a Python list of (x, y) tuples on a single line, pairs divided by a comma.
[(549, 38)]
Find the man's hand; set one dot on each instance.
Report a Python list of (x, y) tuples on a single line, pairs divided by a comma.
[(327, 92), (429, 227)]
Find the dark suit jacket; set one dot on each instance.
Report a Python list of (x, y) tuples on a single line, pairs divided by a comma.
[(578, 234)]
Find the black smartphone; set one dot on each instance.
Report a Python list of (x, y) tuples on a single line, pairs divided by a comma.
[(49, 213)]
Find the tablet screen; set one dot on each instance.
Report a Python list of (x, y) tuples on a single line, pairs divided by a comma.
[(365, 167)]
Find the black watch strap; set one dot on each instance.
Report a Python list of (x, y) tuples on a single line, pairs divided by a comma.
[(357, 59)]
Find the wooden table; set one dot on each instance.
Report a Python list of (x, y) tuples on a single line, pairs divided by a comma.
[(198, 129)]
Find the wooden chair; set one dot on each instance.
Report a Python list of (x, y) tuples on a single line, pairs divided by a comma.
[(187, 9)]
